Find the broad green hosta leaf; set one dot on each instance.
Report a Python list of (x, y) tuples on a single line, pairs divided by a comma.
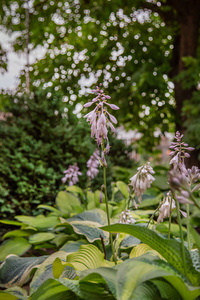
[(59, 266), (16, 291), (41, 237), (16, 270), (87, 257), (52, 290), (129, 241), (17, 246), (110, 208), (109, 276), (45, 270), (163, 228), (40, 222), (93, 288), (134, 272), (123, 188), (73, 246), (10, 222), (50, 208), (90, 200), (169, 249), (68, 203), (196, 236), (151, 201), (130, 280), (87, 223), (60, 239), (18, 233), (166, 290), (7, 296), (74, 189), (142, 249), (147, 291)]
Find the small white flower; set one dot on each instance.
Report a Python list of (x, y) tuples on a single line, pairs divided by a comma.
[(142, 180), (126, 217), (164, 210)]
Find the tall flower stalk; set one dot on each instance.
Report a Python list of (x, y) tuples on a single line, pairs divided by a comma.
[(100, 120), (181, 180)]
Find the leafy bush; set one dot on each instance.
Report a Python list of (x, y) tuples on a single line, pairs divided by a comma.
[(40, 137)]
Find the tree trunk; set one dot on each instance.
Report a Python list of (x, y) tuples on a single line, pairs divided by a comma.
[(188, 14)]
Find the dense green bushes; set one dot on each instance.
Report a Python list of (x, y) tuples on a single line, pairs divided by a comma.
[(38, 142)]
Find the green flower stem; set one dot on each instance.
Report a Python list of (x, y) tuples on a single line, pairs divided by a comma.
[(107, 211), (153, 215), (188, 226), (195, 201), (181, 235), (170, 219)]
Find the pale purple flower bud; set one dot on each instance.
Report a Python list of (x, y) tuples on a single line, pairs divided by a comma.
[(113, 106), (98, 117), (112, 118), (111, 126), (88, 104), (183, 213), (107, 147), (101, 197)]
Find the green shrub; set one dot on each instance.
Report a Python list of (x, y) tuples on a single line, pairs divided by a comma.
[(39, 139)]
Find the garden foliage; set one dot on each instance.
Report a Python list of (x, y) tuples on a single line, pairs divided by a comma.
[(40, 138)]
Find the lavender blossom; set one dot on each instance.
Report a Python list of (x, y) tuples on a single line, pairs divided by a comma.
[(164, 210), (71, 174), (99, 118), (180, 178), (142, 180), (93, 164), (179, 152)]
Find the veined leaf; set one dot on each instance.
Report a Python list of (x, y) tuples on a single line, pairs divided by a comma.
[(169, 249), (41, 237), (15, 270), (73, 246), (17, 246), (45, 271), (92, 288), (123, 188), (88, 223), (142, 249), (7, 296), (16, 291), (52, 289), (134, 272), (40, 222), (196, 237), (151, 201), (66, 202), (17, 233), (74, 189), (167, 291), (50, 208), (10, 222), (87, 257)]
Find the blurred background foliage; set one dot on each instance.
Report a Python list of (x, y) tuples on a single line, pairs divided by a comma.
[(137, 49)]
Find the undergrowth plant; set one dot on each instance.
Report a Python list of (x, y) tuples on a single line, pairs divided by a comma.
[(91, 247)]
